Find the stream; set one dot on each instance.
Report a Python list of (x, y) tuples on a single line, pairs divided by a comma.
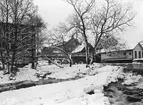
[(121, 94), (117, 93), (29, 83)]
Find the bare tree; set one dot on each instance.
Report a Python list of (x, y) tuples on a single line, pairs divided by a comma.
[(104, 22), (56, 38), (80, 19), (37, 37), (22, 29), (5, 32), (108, 21), (20, 10)]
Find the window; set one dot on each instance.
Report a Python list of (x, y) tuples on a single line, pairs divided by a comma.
[(142, 54), (139, 54), (130, 53), (135, 54), (124, 53)]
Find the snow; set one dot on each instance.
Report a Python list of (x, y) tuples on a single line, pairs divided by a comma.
[(74, 92), (132, 46), (140, 84), (79, 48), (131, 78), (46, 45), (23, 74), (26, 73)]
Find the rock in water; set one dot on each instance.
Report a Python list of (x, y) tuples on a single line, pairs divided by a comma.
[(133, 99)]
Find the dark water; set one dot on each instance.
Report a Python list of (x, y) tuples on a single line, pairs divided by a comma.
[(119, 94), (135, 66), (129, 67), (28, 83)]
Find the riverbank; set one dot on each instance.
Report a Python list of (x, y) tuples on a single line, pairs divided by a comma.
[(86, 90)]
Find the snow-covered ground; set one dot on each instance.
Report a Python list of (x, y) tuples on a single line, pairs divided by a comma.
[(85, 91), (26, 73), (23, 74)]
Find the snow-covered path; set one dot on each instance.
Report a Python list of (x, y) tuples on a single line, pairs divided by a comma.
[(65, 93)]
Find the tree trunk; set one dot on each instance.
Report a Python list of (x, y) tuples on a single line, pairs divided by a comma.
[(71, 62), (33, 51), (14, 49), (86, 47), (7, 35), (15, 38), (87, 53), (13, 60), (2, 59), (32, 60), (85, 40), (53, 62), (93, 57), (67, 55)]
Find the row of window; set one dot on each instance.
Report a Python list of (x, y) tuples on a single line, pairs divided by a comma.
[(126, 53), (139, 53)]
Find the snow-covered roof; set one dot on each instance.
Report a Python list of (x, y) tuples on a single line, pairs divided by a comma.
[(79, 48), (141, 43), (106, 50), (46, 45), (138, 59), (132, 46), (112, 49)]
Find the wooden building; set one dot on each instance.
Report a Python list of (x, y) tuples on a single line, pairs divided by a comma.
[(79, 55), (123, 55), (72, 47)]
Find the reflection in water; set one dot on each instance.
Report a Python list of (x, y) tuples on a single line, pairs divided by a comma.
[(135, 66)]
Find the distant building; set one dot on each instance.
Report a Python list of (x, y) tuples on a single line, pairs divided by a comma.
[(55, 53), (75, 49), (78, 55), (123, 55)]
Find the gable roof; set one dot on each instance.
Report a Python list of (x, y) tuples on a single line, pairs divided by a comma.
[(131, 46), (140, 44), (81, 48), (68, 46)]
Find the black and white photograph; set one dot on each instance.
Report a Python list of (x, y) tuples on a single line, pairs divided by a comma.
[(71, 52)]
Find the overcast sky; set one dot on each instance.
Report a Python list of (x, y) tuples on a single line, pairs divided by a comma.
[(56, 11)]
